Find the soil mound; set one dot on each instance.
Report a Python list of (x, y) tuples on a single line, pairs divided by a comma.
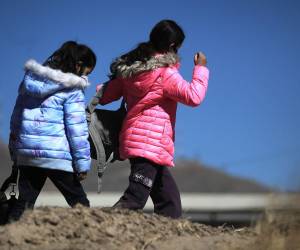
[(279, 230), (102, 228)]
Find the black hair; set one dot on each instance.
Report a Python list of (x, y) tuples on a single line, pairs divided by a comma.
[(70, 55), (166, 36)]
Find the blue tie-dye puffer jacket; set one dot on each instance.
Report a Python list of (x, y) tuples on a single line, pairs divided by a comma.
[(48, 124)]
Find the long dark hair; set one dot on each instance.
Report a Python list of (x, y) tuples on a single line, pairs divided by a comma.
[(70, 55), (166, 36)]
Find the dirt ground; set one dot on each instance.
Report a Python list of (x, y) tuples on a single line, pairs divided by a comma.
[(50, 228)]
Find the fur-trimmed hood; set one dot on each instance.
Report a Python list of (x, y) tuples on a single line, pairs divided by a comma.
[(122, 69), (42, 80), (57, 76)]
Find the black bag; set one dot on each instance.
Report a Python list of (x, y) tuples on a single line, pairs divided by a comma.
[(6, 203), (104, 129)]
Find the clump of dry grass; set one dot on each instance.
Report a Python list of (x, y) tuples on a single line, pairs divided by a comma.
[(279, 230)]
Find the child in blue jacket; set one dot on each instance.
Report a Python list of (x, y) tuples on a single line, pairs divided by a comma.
[(49, 133)]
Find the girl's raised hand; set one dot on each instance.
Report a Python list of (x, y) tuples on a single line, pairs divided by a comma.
[(200, 59)]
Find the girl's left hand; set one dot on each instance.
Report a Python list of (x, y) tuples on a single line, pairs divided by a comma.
[(81, 176)]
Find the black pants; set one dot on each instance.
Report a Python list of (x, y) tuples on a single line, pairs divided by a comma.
[(147, 178), (31, 182)]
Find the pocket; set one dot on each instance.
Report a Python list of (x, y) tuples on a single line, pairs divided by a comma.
[(168, 130), (167, 134)]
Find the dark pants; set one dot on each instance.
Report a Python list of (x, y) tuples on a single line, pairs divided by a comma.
[(147, 178), (31, 182)]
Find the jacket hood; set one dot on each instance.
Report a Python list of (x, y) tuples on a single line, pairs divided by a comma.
[(121, 69), (42, 80)]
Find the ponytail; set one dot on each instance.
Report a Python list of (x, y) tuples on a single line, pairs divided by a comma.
[(141, 53)]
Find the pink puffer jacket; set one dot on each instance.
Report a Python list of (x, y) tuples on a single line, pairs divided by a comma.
[(151, 91)]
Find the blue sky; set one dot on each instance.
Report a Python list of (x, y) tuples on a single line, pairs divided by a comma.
[(249, 123)]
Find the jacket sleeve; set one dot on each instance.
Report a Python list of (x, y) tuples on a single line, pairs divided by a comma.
[(77, 130), (113, 91), (15, 125), (179, 90)]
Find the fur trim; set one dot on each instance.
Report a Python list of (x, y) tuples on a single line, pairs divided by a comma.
[(59, 77), (121, 69)]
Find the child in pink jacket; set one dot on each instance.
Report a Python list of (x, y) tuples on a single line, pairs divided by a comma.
[(148, 79)]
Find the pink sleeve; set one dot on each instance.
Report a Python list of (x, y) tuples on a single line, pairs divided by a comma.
[(113, 91), (191, 94)]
